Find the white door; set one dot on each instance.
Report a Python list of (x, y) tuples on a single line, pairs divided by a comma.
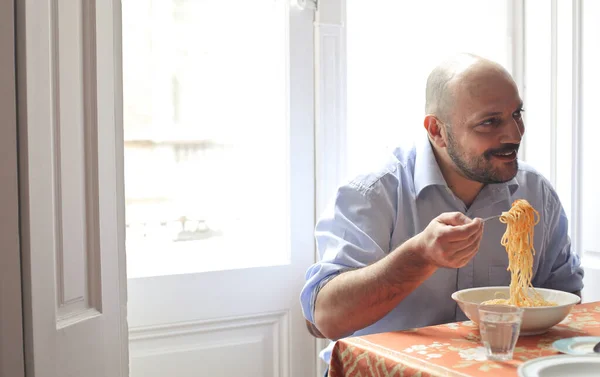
[(219, 181), (72, 223)]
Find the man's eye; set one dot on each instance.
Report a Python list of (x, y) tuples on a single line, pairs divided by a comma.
[(489, 122), (518, 114)]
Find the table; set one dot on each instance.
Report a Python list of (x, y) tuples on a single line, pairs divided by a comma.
[(452, 349)]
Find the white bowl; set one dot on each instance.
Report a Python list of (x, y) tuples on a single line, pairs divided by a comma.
[(536, 320)]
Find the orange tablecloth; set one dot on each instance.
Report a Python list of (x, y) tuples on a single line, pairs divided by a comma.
[(452, 349)]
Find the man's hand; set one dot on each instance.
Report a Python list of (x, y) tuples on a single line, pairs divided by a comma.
[(451, 240)]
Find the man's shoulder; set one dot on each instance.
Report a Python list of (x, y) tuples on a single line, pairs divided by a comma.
[(529, 175), (387, 173), (532, 181)]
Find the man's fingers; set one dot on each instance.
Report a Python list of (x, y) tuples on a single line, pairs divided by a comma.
[(464, 255), (473, 246), (461, 232), (453, 218), (462, 243)]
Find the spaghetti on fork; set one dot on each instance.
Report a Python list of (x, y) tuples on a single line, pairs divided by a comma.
[(520, 221)]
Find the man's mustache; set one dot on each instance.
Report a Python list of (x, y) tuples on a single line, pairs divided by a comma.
[(506, 148)]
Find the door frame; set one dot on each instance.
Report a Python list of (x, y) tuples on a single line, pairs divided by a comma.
[(11, 325)]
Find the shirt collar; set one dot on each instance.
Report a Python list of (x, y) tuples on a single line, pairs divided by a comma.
[(511, 186), (428, 173)]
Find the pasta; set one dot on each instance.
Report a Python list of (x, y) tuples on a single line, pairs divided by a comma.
[(518, 241)]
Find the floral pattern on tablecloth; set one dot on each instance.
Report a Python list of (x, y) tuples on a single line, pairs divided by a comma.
[(452, 349)]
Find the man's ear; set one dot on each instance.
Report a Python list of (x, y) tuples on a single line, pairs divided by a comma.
[(436, 130)]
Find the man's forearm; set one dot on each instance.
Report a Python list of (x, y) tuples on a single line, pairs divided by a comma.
[(356, 299)]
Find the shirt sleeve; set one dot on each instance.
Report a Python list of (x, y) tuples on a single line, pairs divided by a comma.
[(354, 232), (560, 266)]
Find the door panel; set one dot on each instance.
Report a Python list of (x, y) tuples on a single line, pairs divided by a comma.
[(220, 316), (72, 246)]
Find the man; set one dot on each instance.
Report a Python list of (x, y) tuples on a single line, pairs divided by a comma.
[(398, 242)]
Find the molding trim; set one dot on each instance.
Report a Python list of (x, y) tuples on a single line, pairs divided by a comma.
[(92, 183), (516, 36), (553, 91), (278, 321), (83, 279), (204, 326), (56, 158), (330, 97), (576, 148), (74, 317)]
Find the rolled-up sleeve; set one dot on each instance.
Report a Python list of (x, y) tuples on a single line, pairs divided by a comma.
[(354, 232), (560, 266)]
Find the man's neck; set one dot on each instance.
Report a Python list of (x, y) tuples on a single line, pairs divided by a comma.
[(464, 188), (467, 191)]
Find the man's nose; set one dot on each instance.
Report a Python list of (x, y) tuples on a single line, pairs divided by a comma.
[(513, 132)]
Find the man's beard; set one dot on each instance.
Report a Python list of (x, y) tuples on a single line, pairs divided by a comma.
[(481, 168)]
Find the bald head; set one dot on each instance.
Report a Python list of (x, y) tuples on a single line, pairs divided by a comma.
[(457, 72), (474, 119)]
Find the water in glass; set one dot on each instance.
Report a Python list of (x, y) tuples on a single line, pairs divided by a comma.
[(499, 327)]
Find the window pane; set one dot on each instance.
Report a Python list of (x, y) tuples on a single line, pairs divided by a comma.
[(206, 134), (392, 47)]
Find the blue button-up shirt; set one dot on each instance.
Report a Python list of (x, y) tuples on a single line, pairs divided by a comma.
[(375, 213)]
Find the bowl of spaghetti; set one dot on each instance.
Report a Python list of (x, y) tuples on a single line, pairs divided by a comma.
[(543, 308), (536, 319)]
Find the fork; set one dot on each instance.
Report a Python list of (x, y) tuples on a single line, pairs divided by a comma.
[(491, 217)]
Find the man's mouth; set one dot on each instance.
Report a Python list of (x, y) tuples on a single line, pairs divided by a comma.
[(505, 156), (507, 153)]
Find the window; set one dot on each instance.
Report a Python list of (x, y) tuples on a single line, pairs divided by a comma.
[(391, 48), (206, 134)]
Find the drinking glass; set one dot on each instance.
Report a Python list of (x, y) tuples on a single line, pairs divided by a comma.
[(500, 326)]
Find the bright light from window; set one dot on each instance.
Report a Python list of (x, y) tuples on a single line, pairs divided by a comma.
[(392, 47), (206, 135)]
